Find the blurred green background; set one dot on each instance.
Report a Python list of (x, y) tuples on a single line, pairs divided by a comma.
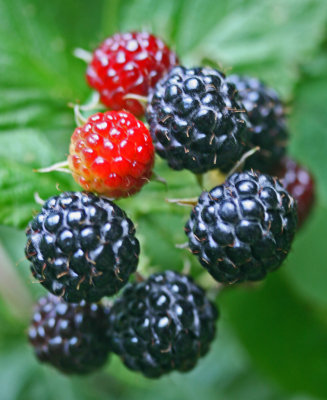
[(272, 338)]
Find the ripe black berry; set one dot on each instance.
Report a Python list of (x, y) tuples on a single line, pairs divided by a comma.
[(82, 247), (244, 228), (195, 120), (71, 337), (163, 324), (266, 114)]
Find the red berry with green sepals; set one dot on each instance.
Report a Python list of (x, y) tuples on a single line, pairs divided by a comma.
[(128, 63), (111, 154), (299, 182)]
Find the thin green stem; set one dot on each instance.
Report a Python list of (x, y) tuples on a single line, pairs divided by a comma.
[(83, 55), (199, 179), (62, 166)]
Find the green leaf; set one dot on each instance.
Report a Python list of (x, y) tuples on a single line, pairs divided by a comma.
[(38, 76), (18, 186), (268, 38), (308, 122), (20, 153), (22, 377), (282, 333), (306, 265)]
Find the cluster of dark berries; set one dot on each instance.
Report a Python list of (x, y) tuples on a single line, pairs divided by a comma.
[(82, 246)]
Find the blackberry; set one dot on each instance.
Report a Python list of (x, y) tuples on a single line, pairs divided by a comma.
[(70, 337), (195, 120), (163, 324), (299, 182), (82, 247), (266, 114), (243, 228)]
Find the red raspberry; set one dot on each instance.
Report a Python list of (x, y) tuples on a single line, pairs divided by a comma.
[(111, 154), (128, 63), (298, 181)]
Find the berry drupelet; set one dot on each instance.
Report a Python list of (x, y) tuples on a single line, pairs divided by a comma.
[(82, 247), (266, 114), (196, 122), (128, 63), (112, 154), (163, 324), (243, 228), (70, 337), (298, 181)]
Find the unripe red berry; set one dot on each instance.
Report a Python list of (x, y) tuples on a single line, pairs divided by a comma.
[(128, 63), (111, 154)]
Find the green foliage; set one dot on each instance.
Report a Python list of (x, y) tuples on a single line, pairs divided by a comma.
[(272, 339), (284, 335)]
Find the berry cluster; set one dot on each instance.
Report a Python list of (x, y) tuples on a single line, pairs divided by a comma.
[(82, 246)]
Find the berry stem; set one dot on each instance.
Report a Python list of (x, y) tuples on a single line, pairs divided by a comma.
[(139, 277), (212, 287), (199, 179), (59, 167), (186, 266), (213, 178), (209, 62), (83, 55), (216, 290), (182, 245), (38, 199), (105, 302), (142, 99), (240, 163), (79, 119), (190, 202), (157, 178), (93, 104)]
